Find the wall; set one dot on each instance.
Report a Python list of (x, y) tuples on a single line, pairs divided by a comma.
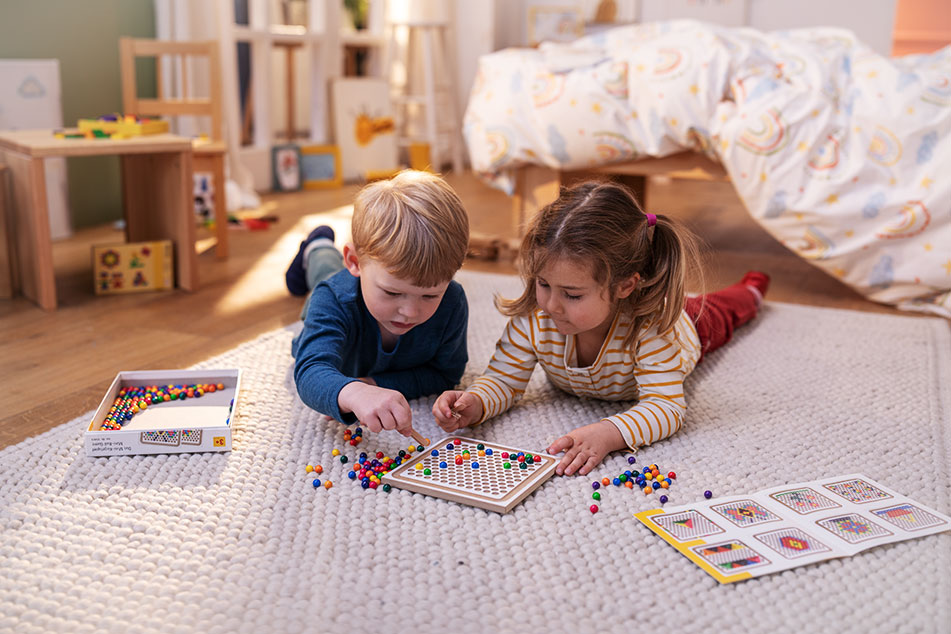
[(84, 36), (921, 26)]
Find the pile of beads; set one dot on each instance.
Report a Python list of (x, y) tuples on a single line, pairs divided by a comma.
[(354, 438), (136, 398), (648, 480), (370, 471)]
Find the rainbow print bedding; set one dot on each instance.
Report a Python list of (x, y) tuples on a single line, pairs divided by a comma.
[(842, 154)]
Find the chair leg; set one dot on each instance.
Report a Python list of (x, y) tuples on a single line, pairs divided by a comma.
[(221, 208)]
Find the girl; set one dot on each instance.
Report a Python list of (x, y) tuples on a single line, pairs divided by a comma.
[(604, 312)]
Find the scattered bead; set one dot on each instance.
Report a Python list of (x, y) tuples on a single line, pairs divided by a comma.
[(386, 488), (328, 484), (631, 460), (663, 499), (318, 469), (672, 475), (335, 453), (343, 460), (708, 494), (595, 485), (316, 483), (596, 496), (594, 508), (308, 468)]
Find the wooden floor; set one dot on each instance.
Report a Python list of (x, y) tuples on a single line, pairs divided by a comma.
[(56, 366)]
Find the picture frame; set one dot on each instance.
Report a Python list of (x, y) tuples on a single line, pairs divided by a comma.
[(320, 167), (285, 168), (554, 23), (364, 126)]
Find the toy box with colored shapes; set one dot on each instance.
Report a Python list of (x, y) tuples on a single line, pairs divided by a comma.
[(128, 126), (132, 267), (173, 419)]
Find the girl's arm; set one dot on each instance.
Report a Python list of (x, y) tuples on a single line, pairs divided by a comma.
[(504, 381), (660, 410)]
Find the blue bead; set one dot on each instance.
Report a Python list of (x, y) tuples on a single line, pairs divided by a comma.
[(475, 465), (352, 475), (629, 474), (595, 485), (646, 470), (656, 485), (434, 453), (449, 447), (316, 483), (663, 499), (443, 465), (708, 494), (616, 482), (488, 452), (365, 484)]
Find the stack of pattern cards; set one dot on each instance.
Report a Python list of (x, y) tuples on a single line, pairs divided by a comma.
[(740, 537)]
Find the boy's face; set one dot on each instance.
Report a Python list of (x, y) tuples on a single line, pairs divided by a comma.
[(396, 304)]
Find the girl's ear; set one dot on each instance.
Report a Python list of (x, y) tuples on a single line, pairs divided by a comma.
[(351, 259), (627, 286)]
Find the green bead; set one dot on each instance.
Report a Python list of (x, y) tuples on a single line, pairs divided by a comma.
[(480, 446), (386, 488), (529, 457), (427, 471), (596, 495), (622, 478), (522, 465), (506, 465), (419, 447), (343, 460)]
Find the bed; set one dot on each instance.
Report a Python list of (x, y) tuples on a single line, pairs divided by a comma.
[(835, 150)]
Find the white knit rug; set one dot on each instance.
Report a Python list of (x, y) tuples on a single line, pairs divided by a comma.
[(241, 542)]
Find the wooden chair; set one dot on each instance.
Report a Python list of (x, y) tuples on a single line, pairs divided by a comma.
[(208, 154)]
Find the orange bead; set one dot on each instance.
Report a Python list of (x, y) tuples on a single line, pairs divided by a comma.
[(318, 469), (605, 481), (648, 490), (328, 484), (629, 484), (664, 485)]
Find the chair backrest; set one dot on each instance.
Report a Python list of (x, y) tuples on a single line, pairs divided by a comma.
[(210, 106)]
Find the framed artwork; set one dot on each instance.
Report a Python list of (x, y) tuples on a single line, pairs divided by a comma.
[(285, 168), (554, 23), (364, 126), (320, 167)]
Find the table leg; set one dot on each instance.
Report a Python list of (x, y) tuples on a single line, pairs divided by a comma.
[(30, 228), (157, 196)]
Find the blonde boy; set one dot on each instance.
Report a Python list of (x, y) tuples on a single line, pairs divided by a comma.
[(392, 325)]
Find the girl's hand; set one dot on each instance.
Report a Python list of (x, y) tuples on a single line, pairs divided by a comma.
[(455, 409), (586, 447)]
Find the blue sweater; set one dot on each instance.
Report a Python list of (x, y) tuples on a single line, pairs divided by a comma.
[(341, 343)]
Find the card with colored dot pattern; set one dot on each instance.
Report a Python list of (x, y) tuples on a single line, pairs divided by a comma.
[(784, 527), (474, 472)]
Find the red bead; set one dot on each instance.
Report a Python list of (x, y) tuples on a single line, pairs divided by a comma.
[(594, 508), (379, 455), (672, 475)]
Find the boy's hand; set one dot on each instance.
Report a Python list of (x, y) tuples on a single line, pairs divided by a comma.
[(586, 447), (455, 409), (376, 408)]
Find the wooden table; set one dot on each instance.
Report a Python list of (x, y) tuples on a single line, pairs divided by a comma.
[(156, 193)]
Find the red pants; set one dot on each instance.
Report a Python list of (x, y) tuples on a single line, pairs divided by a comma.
[(717, 314)]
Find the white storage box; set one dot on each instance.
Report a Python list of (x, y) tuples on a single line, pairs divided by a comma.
[(174, 426)]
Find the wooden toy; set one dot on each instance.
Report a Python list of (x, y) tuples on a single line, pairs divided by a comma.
[(474, 472), (123, 127)]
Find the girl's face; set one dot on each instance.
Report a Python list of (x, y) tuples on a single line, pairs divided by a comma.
[(566, 290)]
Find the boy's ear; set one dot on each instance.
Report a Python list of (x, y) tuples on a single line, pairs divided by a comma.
[(351, 260), (627, 287)]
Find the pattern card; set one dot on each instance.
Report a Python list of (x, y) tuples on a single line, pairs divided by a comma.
[(853, 528), (783, 527), (687, 526), (746, 513), (731, 556), (908, 517), (804, 500), (857, 490), (792, 543)]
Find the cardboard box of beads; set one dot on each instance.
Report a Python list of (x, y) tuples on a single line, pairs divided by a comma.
[(165, 411)]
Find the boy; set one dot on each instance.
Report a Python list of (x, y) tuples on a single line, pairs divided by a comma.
[(392, 326)]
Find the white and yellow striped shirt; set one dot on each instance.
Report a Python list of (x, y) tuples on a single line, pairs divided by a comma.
[(652, 374)]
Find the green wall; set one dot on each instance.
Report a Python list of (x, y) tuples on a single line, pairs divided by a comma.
[(84, 36)]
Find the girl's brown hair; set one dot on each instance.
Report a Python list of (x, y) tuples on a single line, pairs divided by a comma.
[(601, 225)]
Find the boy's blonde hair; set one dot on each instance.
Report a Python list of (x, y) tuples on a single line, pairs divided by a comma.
[(414, 225)]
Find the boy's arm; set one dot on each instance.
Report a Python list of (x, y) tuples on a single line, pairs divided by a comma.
[(511, 367), (661, 406), (320, 354), (444, 370)]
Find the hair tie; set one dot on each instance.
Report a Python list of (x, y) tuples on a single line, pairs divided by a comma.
[(651, 219)]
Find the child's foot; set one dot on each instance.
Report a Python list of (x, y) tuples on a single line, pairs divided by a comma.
[(758, 283), (296, 276)]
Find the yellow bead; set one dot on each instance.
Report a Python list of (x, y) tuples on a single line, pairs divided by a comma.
[(419, 465), (649, 476), (335, 453), (308, 468)]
